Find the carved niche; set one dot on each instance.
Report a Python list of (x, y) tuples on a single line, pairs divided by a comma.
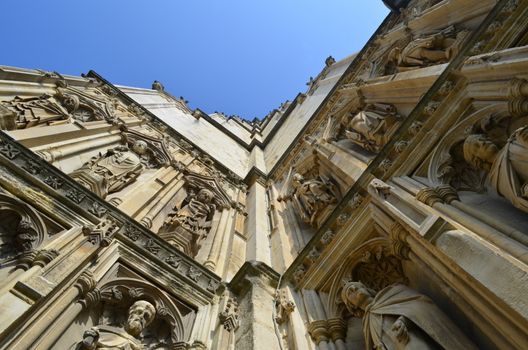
[(375, 263), (132, 314), (427, 50), (312, 193), (22, 229), (190, 221), (485, 152), (118, 167)]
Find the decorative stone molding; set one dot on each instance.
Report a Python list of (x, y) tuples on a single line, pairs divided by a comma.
[(283, 307), (103, 233), (229, 317)]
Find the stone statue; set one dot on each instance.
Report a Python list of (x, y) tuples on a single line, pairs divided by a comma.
[(36, 111), (140, 315), (312, 196), (432, 49), (112, 171), (368, 128), (398, 317), (196, 215), (507, 168)]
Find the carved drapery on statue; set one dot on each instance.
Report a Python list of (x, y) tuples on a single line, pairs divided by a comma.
[(398, 317), (485, 152), (22, 230), (428, 50), (371, 127), (65, 105), (133, 315), (118, 167), (311, 194), (190, 222)]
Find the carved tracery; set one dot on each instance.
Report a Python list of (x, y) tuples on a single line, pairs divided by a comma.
[(374, 263)]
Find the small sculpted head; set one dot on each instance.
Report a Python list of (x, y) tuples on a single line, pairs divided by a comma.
[(140, 315), (205, 196), (140, 147), (71, 102), (480, 151), (356, 296), (298, 178)]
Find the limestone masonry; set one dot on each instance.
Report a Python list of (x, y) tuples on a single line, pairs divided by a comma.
[(386, 207)]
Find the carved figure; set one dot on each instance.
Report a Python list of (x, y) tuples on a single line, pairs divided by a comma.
[(398, 317), (368, 128), (196, 215), (507, 167), (36, 111), (112, 171), (432, 49), (312, 196), (140, 315)]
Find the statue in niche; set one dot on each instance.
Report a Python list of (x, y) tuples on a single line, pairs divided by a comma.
[(195, 215), (140, 315), (112, 171), (423, 51), (36, 111), (46, 110), (398, 317), (311, 196), (507, 167), (368, 128)]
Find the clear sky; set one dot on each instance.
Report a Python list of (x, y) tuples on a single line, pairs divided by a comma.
[(240, 57)]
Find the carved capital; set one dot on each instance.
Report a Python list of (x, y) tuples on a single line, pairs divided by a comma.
[(44, 257), (26, 260), (518, 87), (91, 298), (398, 239), (518, 106), (429, 196), (447, 193), (85, 283), (318, 330), (337, 327), (440, 194)]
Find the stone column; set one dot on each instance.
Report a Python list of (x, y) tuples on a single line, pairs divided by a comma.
[(257, 224), (219, 237), (337, 328), (62, 308), (254, 284)]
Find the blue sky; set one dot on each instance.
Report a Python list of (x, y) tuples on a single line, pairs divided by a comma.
[(235, 56)]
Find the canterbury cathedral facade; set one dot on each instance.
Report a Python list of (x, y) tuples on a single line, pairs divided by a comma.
[(384, 207)]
